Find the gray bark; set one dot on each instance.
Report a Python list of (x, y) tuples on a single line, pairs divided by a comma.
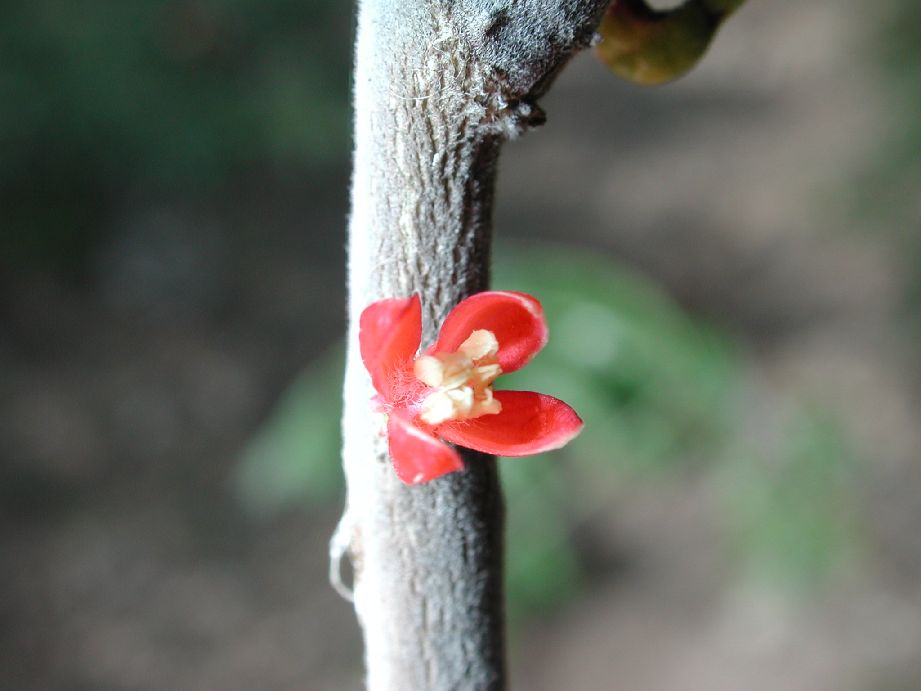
[(439, 85)]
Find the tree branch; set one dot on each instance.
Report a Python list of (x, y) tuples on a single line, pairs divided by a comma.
[(439, 85)]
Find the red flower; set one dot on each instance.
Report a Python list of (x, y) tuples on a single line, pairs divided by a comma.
[(445, 393)]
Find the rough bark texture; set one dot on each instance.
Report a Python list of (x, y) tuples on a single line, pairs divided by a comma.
[(439, 85)]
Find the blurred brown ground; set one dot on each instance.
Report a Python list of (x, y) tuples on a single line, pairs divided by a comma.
[(127, 564)]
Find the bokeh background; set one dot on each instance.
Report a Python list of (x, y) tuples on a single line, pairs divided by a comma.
[(731, 267)]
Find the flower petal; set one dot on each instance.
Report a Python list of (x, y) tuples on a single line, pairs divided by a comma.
[(417, 455), (528, 423), (388, 336), (516, 319)]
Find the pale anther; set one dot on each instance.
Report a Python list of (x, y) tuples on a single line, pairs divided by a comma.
[(480, 344), (461, 380)]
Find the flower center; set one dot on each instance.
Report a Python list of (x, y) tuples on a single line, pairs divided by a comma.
[(461, 380)]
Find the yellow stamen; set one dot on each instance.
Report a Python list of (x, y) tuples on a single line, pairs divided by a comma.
[(461, 380)]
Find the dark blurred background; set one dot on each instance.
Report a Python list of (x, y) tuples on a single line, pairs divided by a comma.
[(731, 268)]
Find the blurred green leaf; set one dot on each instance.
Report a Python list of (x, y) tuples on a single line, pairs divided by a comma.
[(653, 386), (295, 456), (790, 513), (542, 565), (100, 100), (885, 192)]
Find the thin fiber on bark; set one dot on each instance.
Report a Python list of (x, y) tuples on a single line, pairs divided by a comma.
[(439, 85)]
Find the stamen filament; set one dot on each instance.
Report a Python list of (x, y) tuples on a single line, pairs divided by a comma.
[(461, 380)]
